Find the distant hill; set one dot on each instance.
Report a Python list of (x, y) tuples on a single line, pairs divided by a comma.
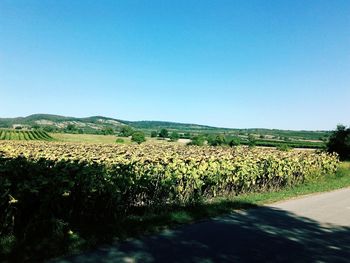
[(96, 124), (169, 125), (56, 123)]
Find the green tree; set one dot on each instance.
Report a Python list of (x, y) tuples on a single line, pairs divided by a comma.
[(107, 131), (126, 131), (49, 128), (251, 140), (217, 140), (164, 133), (339, 142), (71, 128), (187, 135), (198, 140), (283, 147), (174, 136), (154, 134), (138, 137), (235, 141)]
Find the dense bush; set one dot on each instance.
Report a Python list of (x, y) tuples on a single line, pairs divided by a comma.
[(235, 141), (339, 142), (138, 137), (283, 147), (217, 140), (198, 140), (251, 140), (154, 134), (119, 140), (107, 131), (174, 136), (163, 133), (126, 131)]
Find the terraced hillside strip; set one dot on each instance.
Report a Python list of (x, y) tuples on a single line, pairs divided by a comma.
[(15, 135)]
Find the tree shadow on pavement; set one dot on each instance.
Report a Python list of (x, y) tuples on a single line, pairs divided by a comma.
[(261, 234)]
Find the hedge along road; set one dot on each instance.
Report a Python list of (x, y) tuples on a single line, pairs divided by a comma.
[(314, 228)]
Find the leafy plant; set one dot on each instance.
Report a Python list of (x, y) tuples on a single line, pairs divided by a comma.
[(235, 141), (138, 137), (217, 140), (52, 192), (126, 131), (154, 134), (119, 140), (339, 142), (174, 136), (163, 133), (283, 147), (198, 140)]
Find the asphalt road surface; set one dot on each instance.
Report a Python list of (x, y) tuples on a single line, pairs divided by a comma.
[(314, 228)]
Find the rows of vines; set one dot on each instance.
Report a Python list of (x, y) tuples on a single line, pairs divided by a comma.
[(24, 135)]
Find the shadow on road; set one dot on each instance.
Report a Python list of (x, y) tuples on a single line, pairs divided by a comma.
[(255, 235)]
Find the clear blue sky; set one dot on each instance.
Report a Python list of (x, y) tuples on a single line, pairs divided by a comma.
[(240, 64)]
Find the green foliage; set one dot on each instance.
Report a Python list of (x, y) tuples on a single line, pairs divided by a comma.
[(163, 133), (251, 141), (187, 135), (36, 127), (217, 140), (24, 135), (52, 193), (107, 131), (48, 128), (119, 140), (71, 128), (154, 134), (283, 147), (291, 144), (339, 142), (138, 137), (198, 140), (126, 131), (235, 141), (174, 136)]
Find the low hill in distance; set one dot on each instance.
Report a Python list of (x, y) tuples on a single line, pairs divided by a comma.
[(97, 124)]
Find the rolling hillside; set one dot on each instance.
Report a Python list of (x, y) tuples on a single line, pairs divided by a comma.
[(96, 124)]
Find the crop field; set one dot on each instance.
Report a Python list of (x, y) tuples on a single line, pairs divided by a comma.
[(24, 135), (56, 186), (173, 173)]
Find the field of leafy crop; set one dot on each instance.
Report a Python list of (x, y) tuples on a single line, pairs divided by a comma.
[(183, 169), (24, 135), (56, 186)]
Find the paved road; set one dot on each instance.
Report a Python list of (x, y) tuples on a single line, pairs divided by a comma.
[(326, 208), (310, 229)]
